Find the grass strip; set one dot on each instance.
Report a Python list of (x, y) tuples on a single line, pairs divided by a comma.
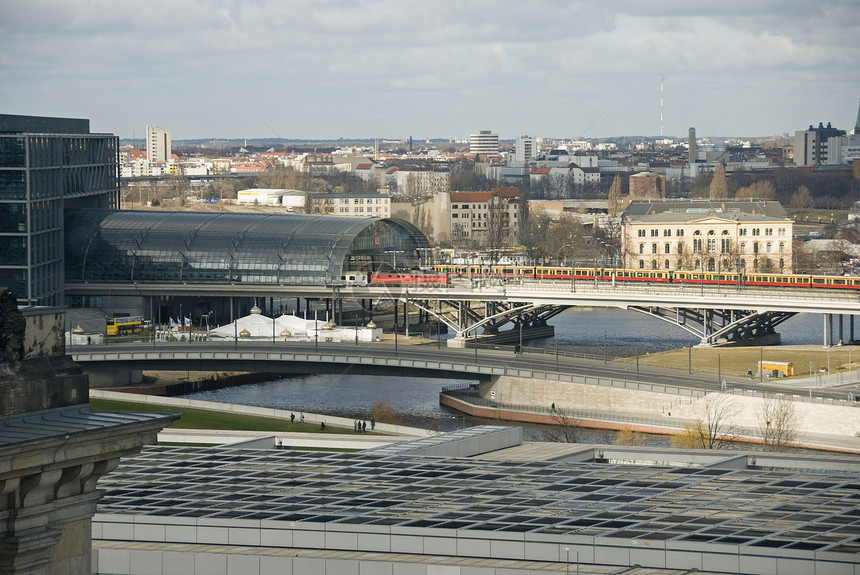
[(206, 419)]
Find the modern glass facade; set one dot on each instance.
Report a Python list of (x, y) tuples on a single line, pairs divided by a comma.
[(195, 247), (47, 164)]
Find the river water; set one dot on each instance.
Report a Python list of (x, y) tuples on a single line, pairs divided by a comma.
[(416, 400)]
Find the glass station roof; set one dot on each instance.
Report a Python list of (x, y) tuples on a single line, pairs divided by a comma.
[(201, 247), (750, 507)]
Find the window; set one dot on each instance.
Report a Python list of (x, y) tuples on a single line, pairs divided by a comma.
[(653, 264), (641, 233), (768, 247), (742, 232), (697, 246), (641, 248), (667, 233), (653, 248), (755, 247), (666, 264), (712, 245), (768, 231), (756, 232), (667, 248), (655, 233), (679, 233), (782, 247), (680, 248), (725, 245), (710, 232), (641, 264)]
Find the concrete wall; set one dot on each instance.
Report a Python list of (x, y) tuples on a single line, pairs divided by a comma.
[(140, 544), (813, 418)]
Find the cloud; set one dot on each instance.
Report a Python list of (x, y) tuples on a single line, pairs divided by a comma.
[(335, 68)]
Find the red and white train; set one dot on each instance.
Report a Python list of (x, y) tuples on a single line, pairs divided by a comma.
[(444, 274)]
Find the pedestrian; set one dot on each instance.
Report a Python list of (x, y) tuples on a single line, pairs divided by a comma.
[(749, 374), (552, 408), (322, 425), (364, 426), (372, 424), (292, 418), (301, 418)]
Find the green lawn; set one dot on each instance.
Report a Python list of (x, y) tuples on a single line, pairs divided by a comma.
[(205, 419)]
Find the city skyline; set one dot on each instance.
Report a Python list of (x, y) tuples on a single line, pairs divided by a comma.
[(390, 70)]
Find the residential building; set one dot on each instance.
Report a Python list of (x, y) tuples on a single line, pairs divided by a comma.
[(710, 235), (492, 216), (647, 186), (484, 142), (46, 165), (525, 149), (158, 145), (362, 205)]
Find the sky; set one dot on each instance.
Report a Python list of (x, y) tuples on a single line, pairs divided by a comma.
[(388, 69)]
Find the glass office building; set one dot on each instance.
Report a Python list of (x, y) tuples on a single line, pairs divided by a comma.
[(46, 165)]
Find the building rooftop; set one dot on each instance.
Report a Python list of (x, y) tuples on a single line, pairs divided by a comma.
[(735, 503)]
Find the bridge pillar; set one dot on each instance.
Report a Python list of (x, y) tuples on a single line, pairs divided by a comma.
[(841, 316)]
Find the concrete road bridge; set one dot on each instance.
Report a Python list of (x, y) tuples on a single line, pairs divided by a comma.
[(510, 312), (427, 360)]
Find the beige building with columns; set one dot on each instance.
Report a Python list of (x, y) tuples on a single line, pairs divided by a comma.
[(710, 235)]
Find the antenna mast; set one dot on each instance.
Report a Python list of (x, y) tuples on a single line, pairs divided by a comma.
[(661, 105)]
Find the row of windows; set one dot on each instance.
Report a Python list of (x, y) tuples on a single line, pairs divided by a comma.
[(512, 205), (359, 200), (654, 233), (711, 264), (725, 247)]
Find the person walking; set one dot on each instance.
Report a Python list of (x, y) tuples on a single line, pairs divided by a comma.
[(292, 418), (301, 418), (372, 424)]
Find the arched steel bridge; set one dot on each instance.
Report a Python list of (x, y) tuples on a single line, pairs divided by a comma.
[(711, 313)]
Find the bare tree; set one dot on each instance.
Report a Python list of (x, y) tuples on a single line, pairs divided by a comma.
[(614, 196), (564, 427), (778, 423), (719, 188), (715, 430)]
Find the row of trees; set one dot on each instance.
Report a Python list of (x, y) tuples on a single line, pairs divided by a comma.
[(777, 425)]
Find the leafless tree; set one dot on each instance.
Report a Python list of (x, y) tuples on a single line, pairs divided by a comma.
[(719, 188), (716, 430), (778, 423), (564, 428)]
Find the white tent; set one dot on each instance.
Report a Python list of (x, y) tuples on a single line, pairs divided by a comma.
[(257, 326)]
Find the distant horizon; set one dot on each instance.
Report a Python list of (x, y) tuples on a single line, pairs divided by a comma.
[(417, 141)]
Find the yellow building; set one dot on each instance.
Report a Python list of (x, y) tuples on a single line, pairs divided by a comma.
[(710, 235)]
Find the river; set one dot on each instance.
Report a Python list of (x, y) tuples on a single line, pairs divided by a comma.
[(416, 400)]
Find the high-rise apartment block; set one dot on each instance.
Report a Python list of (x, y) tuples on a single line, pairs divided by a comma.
[(525, 149), (484, 142), (47, 164), (158, 146)]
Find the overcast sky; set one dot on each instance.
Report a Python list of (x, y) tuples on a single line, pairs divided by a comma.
[(433, 69)]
